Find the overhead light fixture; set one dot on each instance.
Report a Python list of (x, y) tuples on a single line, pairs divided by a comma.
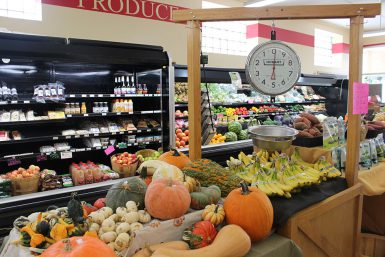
[(263, 3), (374, 33), (5, 60)]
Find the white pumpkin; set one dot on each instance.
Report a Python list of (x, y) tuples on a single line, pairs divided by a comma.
[(111, 245), (107, 211), (100, 233), (144, 217), (94, 227), (123, 228), (171, 171), (97, 217), (121, 211), (109, 237), (108, 225), (122, 241), (114, 217), (135, 227), (131, 217), (131, 206), (152, 166)]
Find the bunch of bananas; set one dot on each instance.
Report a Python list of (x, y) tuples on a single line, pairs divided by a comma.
[(277, 174)]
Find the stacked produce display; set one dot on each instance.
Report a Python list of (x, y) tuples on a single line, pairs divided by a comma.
[(229, 106)]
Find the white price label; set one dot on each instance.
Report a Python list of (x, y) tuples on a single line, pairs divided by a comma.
[(148, 130), (100, 95), (96, 134), (86, 115), (118, 113), (130, 132), (84, 95), (113, 133), (88, 149), (158, 111), (13, 102), (80, 150), (67, 137), (159, 129), (121, 132), (86, 135), (72, 96), (65, 155), (144, 112), (55, 138), (104, 114), (69, 115), (112, 95), (27, 102), (136, 144), (77, 136), (98, 148), (92, 95), (3, 102)]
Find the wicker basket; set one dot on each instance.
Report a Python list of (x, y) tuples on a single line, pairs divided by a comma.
[(23, 186), (145, 152), (124, 171)]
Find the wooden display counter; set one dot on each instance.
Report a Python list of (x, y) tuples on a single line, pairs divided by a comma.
[(329, 228), (373, 211)]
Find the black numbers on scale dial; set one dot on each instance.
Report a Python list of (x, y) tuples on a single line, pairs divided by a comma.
[(273, 84)]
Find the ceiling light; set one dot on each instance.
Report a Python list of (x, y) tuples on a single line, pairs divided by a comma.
[(374, 33), (5, 60), (263, 3)]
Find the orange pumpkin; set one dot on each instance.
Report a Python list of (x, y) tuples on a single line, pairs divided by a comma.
[(167, 199), (79, 247), (176, 158), (251, 209)]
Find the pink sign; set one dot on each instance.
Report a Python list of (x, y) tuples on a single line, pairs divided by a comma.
[(360, 98), (110, 150)]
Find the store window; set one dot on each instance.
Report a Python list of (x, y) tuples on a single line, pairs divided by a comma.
[(323, 48), (21, 9), (224, 37)]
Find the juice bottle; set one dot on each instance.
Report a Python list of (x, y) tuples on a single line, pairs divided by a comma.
[(130, 106), (83, 108)]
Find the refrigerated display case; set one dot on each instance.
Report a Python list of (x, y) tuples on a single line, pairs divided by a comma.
[(114, 95)]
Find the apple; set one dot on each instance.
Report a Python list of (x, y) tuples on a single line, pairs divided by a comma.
[(177, 143), (187, 132), (178, 131)]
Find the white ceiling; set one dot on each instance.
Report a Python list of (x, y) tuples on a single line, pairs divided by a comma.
[(371, 24)]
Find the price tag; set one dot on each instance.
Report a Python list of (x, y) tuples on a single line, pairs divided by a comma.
[(159, 129), (86, 135), (104, 114), (77, 136), (13, 102), (113, 133), (41, 157), (67, 137), (130, 132), (100, 95), (109, 150), (92, 95), (148, 130), (88, 149), (122, 145), (85, 115), (13, 162), (69, 115), (118, 113), (121, 132), (3, 102), (84, 95), (54, 156), (136, 144), (27, 102), (55, 138), (96, 134), (144, 112), (81, 150), (65, 155), (112, 95), (98, 148), (73, 96)]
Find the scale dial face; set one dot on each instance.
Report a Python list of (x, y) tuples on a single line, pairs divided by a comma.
[(273, 68)]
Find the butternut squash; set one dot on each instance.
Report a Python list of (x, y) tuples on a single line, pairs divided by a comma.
[(231, 241), (147, 251)]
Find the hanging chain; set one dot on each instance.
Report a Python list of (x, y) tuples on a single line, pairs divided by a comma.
[(273, 35)]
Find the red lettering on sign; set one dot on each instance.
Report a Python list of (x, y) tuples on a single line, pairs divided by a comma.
[(135, 8)]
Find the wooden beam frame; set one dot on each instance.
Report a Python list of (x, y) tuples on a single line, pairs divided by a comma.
[(355, 12), (279, 13)]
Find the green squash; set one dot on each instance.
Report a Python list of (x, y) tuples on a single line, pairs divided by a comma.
[(75, 209), (132, 189), (20, 222), (43, 228), (76, 231), (205, 196)]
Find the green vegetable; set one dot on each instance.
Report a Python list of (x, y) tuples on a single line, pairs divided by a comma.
[(231, 136), (235, 127), (243, 135)]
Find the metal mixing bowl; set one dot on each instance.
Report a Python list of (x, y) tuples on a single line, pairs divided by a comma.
[(272, 138)]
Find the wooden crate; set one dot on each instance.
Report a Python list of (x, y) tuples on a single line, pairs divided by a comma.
[(372, 245), (330, 228)]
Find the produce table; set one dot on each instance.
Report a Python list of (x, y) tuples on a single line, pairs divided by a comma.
[(275, 246), (373, 211)]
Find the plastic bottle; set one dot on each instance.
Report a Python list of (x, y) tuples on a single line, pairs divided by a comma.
[(77, 108), (84, 108), (105, 107), (341, 130), (130, 106), (116, 86), (139, 89), (145, 89)]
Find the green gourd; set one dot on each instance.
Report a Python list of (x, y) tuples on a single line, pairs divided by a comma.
[(205, 196), (132, 189), (75, 209)]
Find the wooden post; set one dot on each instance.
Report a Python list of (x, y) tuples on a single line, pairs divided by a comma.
[(194, 89), (355, 75)]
